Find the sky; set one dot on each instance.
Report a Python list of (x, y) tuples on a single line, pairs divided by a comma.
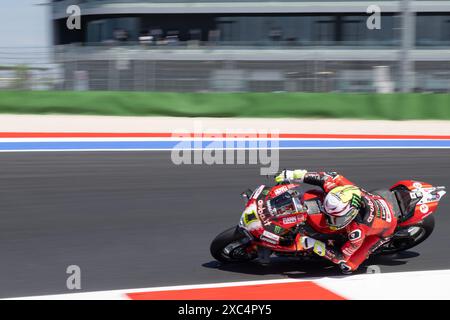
[(24, 32), (24, 23)]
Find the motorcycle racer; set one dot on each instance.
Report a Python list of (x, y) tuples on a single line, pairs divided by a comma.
[(366, 219)]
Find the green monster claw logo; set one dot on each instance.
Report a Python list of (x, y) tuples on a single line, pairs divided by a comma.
[(356, 201), (278, 229)]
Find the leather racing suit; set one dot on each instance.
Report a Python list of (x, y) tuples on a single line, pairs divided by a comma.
[(370, 229)]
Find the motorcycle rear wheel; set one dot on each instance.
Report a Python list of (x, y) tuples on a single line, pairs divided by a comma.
[(421, 232), (230, 245)]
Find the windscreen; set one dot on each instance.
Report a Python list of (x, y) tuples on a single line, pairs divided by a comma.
[(285, 203)]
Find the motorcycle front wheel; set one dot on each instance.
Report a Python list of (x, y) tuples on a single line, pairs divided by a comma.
[(230, 246)]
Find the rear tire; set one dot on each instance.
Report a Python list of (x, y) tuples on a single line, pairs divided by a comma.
[(231, 236), (398, 245)]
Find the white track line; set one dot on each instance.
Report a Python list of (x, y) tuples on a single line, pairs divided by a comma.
[(420, 285), (385, 286)]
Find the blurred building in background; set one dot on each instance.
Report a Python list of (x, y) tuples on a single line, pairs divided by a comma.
[(261, 46)]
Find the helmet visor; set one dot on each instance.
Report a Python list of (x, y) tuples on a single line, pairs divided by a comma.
[(333, 205), (339, 222)]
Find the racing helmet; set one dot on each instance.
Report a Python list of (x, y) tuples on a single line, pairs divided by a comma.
[(341, 205)]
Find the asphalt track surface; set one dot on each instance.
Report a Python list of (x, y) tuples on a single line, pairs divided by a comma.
[(134, 220)]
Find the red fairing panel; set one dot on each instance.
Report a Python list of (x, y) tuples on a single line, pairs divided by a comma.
[(425, 207), (411, 184)]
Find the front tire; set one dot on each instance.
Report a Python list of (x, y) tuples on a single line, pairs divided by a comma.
[(230, 246)]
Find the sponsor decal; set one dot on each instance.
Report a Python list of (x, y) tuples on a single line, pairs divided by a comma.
[(268, 240), (386, 212), (431, 197), (278, 229), (319, 248), (347, 252), (250, 217), (270, 237), (424, 208), (260, 205), (372, 211), (289, 220), (417, 185), (356, 201), (260, 209), (280, 190), (269, 207)]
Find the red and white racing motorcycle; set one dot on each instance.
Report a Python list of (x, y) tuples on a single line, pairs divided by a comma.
[(277, 213)]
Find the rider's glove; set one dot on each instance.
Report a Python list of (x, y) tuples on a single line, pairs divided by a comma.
[(310, 243), (290, 175)]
